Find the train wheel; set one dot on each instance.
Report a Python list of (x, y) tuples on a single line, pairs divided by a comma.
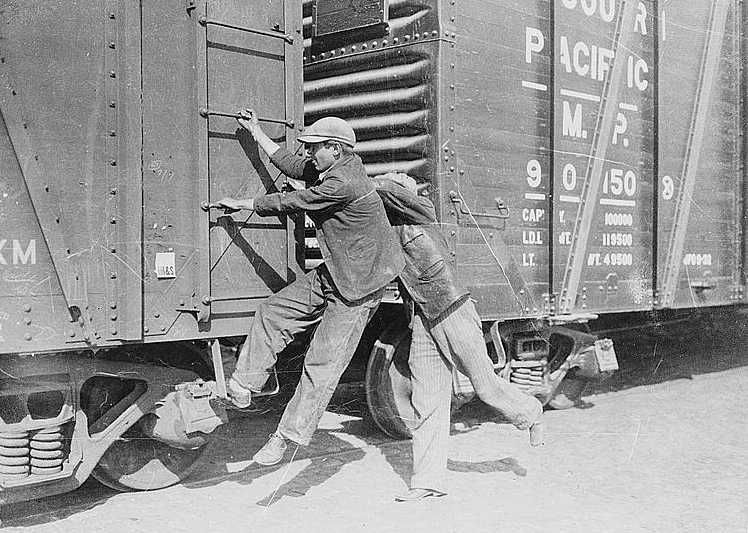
[(138, 462), (388, 383)]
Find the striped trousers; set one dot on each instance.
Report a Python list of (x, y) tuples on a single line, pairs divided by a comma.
[(454, 342)]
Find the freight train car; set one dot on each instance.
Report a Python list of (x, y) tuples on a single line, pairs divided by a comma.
[(585, 157), (114, 283)]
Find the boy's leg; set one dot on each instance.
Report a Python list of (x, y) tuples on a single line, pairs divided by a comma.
[(331, 349), (460, 333), (431, 378), (295, 309)]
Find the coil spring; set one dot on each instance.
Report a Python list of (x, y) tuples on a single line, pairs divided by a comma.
[(39, 452), (47, 450), (14, 455), (527, 374)]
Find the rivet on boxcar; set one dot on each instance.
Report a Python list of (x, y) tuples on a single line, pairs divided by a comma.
[(434, 33), (27, 336), (202, 20), (374, 44), (451, 169), (112, 74), (71, 333), (454, 35), (163, 328), (156, 315), (407, 37), (113, 221), (27, 308), (384, 42), (601, 288), (112, 104), (451, 128), (452, 253), (181, 302), (451, 65), (353, 48), (446, 158), (112, 133), (395, 40), (206, 300), (112, 45), (113, 250), (113, 331), (342, 50), (452, 86), (521, 291), (113, 317), (27, 321), (453, 233), (452, 19), (416, 35), (113, 275), (322, 55), (111, 15), (113, 162), (113, 191)]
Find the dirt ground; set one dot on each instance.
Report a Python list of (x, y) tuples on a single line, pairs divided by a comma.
[(660, 447)]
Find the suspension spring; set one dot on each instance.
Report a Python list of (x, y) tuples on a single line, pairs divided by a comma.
[(47, 450), (14, 455), (528, 374)]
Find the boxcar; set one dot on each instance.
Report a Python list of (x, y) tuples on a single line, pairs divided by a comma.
[(585, 158)]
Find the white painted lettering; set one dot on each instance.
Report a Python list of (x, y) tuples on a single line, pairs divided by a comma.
[(534, 42), (640, 24), (23, 258), (571, 125), (528, 259), (2, 258)]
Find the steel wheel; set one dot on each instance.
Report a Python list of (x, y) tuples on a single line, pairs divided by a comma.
[(388, 385), (138, 462)]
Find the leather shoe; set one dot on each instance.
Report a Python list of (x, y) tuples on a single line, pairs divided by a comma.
[(419, 494), (273, 451), (240, 396)]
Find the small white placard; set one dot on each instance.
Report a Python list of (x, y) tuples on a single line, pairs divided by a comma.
[(606, 355), (165, 265)]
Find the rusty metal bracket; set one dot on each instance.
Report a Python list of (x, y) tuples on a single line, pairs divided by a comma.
[(267, 33), (460, 207), (205, 113)]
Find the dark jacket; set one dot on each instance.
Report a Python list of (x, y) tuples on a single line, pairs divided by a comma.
[(358, 245), (427, 277)]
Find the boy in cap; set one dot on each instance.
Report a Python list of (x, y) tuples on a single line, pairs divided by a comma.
[(361, 256), (446, 334)]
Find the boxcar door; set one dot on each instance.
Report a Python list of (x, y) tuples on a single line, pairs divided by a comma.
[(700, 171), (604, 83), (203, 61)]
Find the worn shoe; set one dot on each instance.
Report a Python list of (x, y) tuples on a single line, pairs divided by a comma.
[(240, 396), (419, 494), (273, 451), (537, 428)]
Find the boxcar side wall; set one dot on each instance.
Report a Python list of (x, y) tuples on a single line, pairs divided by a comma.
[(585, 157), (103, 240)]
